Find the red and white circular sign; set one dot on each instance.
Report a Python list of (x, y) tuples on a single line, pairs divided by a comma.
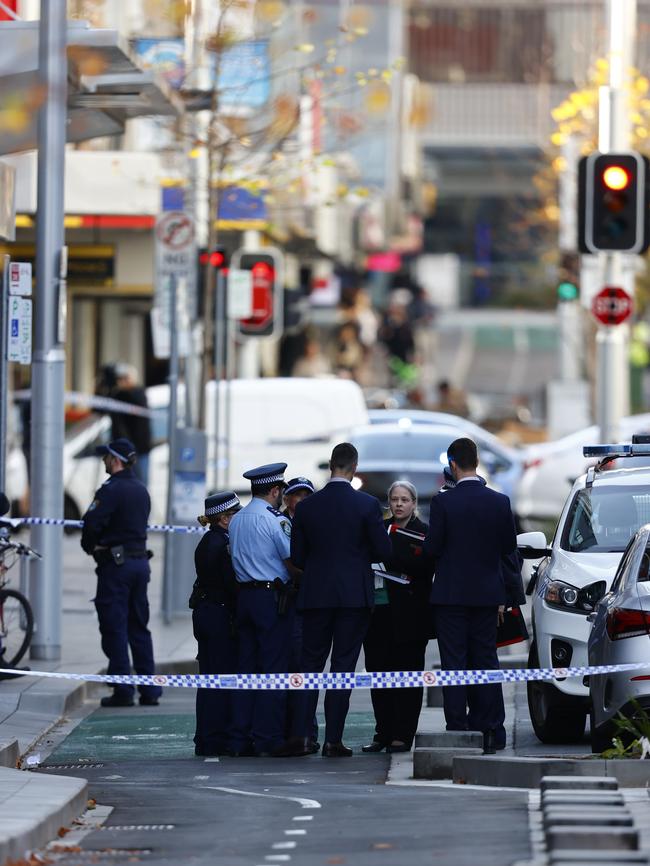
[(612, 305)]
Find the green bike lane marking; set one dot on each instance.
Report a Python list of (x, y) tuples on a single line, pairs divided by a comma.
[(131, 735)]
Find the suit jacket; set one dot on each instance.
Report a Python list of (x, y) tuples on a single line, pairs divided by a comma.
[(410, 611), (470, 529), (335, 536)]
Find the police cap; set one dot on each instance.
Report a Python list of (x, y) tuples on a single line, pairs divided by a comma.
[(299, 483), (220, 502), (123, 449), (270, 473)]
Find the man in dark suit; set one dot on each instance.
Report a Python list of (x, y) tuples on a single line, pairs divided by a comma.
[(336, 534), (471, 528)]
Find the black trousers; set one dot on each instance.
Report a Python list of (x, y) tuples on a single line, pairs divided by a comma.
[(467, 640), (342, 630), (396, 710), (217, 655)]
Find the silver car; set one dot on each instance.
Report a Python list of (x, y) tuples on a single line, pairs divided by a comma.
[(621, 635)]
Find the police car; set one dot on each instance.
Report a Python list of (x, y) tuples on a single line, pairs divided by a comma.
[(604, 510)]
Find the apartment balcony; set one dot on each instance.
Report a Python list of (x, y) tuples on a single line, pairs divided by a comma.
[(491, 115)]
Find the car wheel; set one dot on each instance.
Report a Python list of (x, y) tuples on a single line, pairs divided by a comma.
[(556, 718), (601, 738)]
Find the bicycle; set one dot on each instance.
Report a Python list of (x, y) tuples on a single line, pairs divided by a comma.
[(16, 615)]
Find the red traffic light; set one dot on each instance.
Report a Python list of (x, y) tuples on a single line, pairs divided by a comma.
[(616, 178), (216, 258)]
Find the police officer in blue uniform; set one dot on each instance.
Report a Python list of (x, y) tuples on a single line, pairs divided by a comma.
[(115, 535), (259, 543), (213, 602)]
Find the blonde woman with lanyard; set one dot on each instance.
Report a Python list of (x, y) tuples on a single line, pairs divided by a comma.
[(400, 624)]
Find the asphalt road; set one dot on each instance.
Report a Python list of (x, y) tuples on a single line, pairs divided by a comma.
[(172, 808)]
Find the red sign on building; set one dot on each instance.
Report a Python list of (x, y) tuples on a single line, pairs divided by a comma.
[(612, 305)]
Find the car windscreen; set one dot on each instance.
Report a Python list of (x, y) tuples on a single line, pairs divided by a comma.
[(604, 518), (402, 446)]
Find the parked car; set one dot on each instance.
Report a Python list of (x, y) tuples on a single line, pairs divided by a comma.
[(602, 512), (621, 635), (504, 464), (391, 452), (550, 468)]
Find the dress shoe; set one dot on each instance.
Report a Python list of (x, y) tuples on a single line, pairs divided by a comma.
[(148, 702), (375, 746), (395, 748), (336, 750), (489, 743), (314, 747), (116, 701), (295, 747)]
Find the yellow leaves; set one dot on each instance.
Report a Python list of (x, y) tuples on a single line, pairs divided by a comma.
[(285, 115), (305, 47), (87, 61), (17, 108), (557, 139), (339, 70), (270, 11), (642, 84), (377, 97), (358, 18), (559, 164)]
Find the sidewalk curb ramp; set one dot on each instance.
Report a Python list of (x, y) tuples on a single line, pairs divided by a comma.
[(33, 807)]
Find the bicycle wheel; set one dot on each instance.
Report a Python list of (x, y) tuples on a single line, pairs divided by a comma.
[(16, 627)]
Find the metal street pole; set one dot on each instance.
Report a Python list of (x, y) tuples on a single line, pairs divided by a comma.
[(4, 368), (612, 382), (48, 366), (172, 433)]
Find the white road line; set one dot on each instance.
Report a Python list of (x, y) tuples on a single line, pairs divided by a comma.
[(211, 760), (277, 858), (303, 818), (279, 846), (295, 832), (302, 801), (201, 778)]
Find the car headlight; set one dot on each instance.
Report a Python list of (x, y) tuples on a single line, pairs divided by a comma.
[(566, 597)]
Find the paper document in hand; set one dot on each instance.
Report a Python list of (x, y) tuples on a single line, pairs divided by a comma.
[(409, 533), (379, 571)]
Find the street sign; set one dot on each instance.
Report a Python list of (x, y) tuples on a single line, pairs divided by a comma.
[(240, 294), (612, 305), (19, 336), (175, 256), (20, 278)]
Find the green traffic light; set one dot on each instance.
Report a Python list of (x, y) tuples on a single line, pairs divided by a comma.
[(567, 292)]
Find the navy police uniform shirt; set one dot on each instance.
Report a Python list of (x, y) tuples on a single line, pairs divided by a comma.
[(260, 536), (118, 514)]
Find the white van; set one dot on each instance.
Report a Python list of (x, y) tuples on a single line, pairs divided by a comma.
[(291, 420)]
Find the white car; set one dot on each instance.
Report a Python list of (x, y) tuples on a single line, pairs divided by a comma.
[(550, 468), (601, 514)]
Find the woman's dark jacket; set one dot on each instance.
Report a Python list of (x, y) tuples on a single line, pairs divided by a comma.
[(215, 577), (410, 612)]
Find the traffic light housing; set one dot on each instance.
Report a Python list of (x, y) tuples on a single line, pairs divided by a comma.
[(268, 287), (613, 203), (215, 257)]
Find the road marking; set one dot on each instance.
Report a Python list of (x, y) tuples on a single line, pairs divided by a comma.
[(278, 846), (295, 832), (211, 760), (303, 818), (278, 857), (302, 801), (201, 778)]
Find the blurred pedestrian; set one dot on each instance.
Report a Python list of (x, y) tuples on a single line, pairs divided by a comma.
[(312, 362), (400, 624), (396, 332), (336, 534), (115, 535), (349, 353), (471, 528), (259, 545), (213, 604), (451, 400), (136, 428)]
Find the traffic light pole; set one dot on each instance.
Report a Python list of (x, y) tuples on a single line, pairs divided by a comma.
[(612, 373)]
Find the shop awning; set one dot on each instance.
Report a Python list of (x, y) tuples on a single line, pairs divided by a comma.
[(105, 86)]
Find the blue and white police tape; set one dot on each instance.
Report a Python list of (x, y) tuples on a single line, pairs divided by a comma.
[(359, 680), (94, 401), (78, 524)]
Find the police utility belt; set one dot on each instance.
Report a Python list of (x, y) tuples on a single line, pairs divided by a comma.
[(118, 554), (283, 589)]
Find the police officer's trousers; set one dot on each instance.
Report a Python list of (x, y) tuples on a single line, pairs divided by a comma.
[(217, 655), (123, 613)]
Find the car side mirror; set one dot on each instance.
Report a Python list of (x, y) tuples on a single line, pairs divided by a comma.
[(533, 545)]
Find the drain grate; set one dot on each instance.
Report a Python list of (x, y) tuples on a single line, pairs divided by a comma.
[(132, 827), (71, 767), (94, 855)]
